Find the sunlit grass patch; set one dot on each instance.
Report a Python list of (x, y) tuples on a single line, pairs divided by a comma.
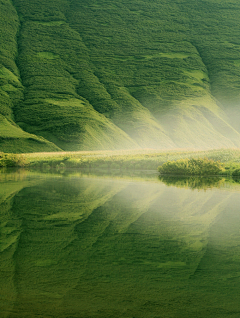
[(7, 129), (6, 73), (66, 102), (47, 55), (197, 74), (171, 264), (51, 23), (225, 161)]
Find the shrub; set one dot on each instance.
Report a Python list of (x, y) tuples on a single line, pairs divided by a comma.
[(236, 173), (12, 160), (199, 166)]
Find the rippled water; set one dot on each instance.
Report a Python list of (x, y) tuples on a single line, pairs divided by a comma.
[(102, 246)]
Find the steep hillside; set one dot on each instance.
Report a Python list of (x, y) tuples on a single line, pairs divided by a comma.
[(12, 137), (82, 75)]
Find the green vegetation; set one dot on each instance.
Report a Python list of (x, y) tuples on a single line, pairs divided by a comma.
[(138, 249), (131, 160), (202, 166), (92, 75), (12, 160), (191, 167), (195, 182), (12, 137), (212, 162)]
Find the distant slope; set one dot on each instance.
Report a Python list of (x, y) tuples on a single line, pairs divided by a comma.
[(118, 74)]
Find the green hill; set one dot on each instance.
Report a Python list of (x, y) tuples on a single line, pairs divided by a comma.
[(84, 75)]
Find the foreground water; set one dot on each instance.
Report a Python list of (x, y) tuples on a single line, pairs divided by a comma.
[(102, 246)]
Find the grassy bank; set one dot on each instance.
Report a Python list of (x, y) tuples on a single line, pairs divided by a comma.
[(192, 167), (147, 159), (200, 167)]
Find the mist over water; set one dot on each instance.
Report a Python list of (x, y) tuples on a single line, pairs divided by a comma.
[(104, 246)]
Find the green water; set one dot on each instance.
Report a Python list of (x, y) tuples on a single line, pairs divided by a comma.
[(118, 246)]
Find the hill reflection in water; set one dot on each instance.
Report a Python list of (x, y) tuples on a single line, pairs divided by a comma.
[(99, 247)]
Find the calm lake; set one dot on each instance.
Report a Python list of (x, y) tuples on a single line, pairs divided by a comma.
[(102, 246)]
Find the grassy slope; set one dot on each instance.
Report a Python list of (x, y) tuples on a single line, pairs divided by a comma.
[(12, 137), (51, 54), (108, 74), (216, 33), (148, 50)]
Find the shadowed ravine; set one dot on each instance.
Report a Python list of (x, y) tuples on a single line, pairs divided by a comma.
[(104, 247)]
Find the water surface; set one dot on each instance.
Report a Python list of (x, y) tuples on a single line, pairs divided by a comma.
[(102, 246)]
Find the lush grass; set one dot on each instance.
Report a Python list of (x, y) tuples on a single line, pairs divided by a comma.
[(13, 139), (130, 160), (112, 75)]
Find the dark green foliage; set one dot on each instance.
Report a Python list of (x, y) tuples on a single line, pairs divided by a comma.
[(236, 173)]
